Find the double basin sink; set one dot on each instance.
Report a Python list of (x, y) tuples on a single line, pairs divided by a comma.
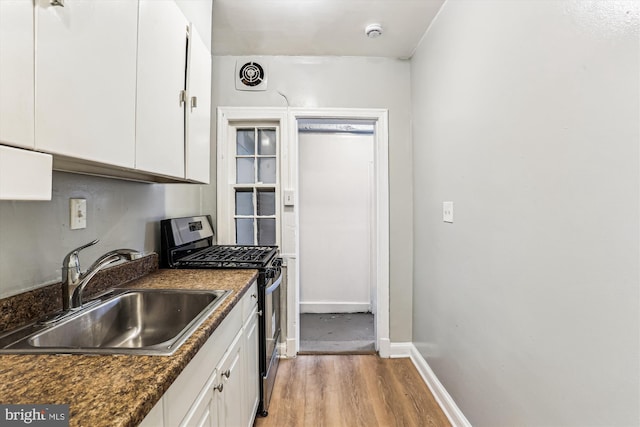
[(123, 321)]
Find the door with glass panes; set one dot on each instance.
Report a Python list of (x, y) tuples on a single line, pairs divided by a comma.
[(255, 190)]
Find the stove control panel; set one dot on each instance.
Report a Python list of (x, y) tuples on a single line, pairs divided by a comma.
[(190, 229)]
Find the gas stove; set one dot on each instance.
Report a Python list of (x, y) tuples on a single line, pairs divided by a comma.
[(189, 243)]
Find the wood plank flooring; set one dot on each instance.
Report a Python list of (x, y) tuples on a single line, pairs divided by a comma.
[(351, 391)]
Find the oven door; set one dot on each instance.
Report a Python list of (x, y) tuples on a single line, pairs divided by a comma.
[(271, 319)]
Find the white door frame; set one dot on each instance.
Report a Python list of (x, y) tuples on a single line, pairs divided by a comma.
[(289, 239), (381, 220)]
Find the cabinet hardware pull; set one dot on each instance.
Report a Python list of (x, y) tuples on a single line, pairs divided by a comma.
[(260, 313), (219, 387), (57, 3), (183, 97), (254, 296), (194, 102), (227, 373)]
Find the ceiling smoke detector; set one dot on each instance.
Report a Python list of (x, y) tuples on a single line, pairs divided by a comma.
[(373, 30)]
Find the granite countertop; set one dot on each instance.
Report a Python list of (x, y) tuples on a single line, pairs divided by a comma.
[(117, 390)]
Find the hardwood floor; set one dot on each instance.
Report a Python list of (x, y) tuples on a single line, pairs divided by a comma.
[(350, 391)]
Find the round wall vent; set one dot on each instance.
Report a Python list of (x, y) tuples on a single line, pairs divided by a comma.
[(251, 74)]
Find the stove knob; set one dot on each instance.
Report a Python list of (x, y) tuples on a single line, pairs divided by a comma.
[(277, 262), (270, 273)]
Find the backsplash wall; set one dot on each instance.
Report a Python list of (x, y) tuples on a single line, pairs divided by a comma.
[(35, 236)]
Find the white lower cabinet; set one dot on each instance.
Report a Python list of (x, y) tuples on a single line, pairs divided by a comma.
[(229, 388), (204, 412), (251, 388), (218, 388)]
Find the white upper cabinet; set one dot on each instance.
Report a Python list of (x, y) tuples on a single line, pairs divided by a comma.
[(24, 174), (16, 73), (173, 134), (198, 109), (162, 60), (86, 79)]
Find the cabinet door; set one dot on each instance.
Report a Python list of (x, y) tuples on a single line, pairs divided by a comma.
[(162, 58), (24, 174), (204, 412), (231, 376), (252, 369), (199, 110), (16, 72), (86, 79)]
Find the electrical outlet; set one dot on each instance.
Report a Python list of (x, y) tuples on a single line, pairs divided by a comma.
[(447, 211), (78, 213)]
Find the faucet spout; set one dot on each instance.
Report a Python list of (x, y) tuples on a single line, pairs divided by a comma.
[(71, 274), (74, 282)]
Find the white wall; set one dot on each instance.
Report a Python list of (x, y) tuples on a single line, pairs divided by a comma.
[(335, 202), (346, 82), (35, 236), (525, 115)]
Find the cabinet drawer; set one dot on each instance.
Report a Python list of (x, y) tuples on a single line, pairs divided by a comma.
[(249, 301)]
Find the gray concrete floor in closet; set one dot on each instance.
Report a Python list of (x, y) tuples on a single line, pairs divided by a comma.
[(337, 333)]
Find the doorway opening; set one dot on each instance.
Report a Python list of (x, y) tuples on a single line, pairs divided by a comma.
[(336, 215), (343, 232)]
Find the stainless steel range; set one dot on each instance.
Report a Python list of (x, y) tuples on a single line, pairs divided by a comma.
[(189, 242)]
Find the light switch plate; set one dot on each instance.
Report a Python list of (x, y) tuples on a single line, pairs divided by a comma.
[(289, 198), (78, 213), (447, 211)]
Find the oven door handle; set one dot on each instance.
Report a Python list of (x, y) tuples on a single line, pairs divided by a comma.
[(275, 285)]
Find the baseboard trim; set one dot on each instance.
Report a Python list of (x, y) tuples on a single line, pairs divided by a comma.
[(335, 307), (400, 349), (281, 348), (444, 399), (289, 348), (384, 348)]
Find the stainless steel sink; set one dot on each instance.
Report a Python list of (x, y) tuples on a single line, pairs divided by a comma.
[(146, 322)]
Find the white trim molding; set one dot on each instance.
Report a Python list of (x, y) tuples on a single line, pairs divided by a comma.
[(384, 348), (381, 215), (335, 307), (442, 396), (399, 350)]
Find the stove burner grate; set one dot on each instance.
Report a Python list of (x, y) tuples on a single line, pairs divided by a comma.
[(232, 254)]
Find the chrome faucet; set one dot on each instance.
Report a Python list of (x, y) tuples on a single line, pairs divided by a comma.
[(74, 281)]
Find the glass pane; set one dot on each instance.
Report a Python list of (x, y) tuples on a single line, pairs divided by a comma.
[(266, 231), (244, 202), (246, 144), (244, 231), (267, 170), (266, 202), (267, 138), (244, 171)]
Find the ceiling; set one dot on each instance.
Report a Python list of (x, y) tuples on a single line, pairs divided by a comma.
[(319, 27)]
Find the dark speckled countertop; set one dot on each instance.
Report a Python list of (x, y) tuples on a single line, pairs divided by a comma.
[(117, 390)]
